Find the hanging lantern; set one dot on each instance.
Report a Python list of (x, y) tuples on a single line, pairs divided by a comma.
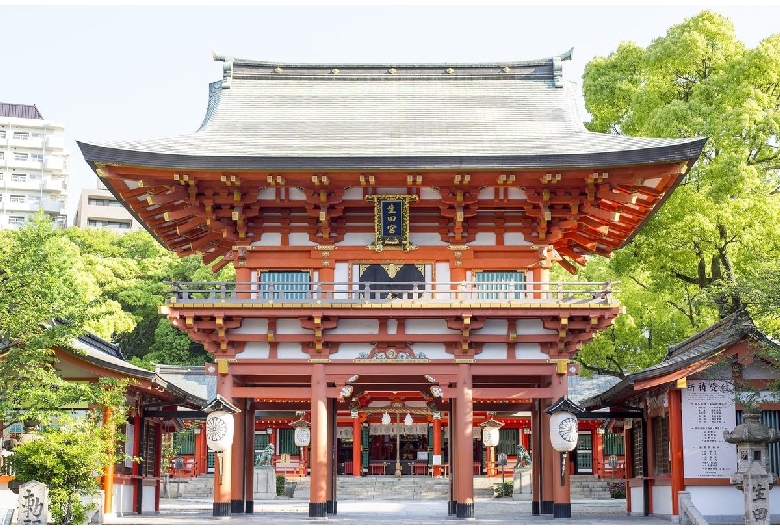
[(220, 427), (302, 432), (386, 418), (563, 429), (490, 432), (219, 430), (408, 420)]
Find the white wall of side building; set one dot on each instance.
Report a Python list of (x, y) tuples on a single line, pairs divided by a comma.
[(33, 170)]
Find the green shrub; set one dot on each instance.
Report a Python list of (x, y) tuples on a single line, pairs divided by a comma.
[(503, 489), (280, 485)]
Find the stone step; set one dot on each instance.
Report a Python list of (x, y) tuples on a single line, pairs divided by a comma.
[(390, 488)]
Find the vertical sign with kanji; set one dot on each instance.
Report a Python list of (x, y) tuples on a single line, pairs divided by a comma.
[(391, 222), (391, 227), (707, 410)]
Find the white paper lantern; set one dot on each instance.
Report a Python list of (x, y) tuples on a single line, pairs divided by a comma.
[(219, 430), (302, 436), (490, 437), (563, 431)]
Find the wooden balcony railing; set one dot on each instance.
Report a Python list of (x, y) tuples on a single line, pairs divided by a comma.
[(351, 293)]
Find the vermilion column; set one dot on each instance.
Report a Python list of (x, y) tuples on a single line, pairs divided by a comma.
[(223, 471), (249, 458), (676, 446), (464, 477), (238, 472), (108, 475), (437, 445), (326, 277), (330, 488), (319, 443), (357, 427), (243, 277), (561, 487), (536, 460), (138, 423), (548, 470)]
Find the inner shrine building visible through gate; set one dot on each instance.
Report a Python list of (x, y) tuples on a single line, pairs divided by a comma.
[(392, 229)]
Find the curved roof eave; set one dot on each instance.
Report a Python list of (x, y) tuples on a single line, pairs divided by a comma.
[(686, 150)]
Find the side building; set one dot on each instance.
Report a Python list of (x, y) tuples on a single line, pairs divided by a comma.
[(33, 166), (98, 208)]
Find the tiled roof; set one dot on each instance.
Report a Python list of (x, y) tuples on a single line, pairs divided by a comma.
[(698, 347), (264, 115), (16, 110), (191, 378)]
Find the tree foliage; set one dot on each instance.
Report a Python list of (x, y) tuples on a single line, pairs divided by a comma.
[(702, 255)]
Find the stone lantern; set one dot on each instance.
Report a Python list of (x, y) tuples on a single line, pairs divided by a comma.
[(752, 477)]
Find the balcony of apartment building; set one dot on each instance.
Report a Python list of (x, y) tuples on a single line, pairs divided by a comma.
[(25, 140)]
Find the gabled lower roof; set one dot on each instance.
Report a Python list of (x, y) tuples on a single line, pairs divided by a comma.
[(267, 115), (699, 347)]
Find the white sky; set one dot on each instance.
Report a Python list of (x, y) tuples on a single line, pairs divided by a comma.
[(125, 73)]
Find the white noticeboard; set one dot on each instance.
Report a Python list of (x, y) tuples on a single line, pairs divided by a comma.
[(708, 410)]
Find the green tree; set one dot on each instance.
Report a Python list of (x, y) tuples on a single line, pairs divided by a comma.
[(696, 259)]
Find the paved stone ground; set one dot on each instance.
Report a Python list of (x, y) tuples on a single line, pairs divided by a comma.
[(294, 512)]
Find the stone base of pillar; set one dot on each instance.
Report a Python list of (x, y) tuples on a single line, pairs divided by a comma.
[(465, 510), (452, 508), (535, 510), (562, 510), (547, 507), (221, 509), (331, 507), (237, 506), (250, 506), (318, 510)]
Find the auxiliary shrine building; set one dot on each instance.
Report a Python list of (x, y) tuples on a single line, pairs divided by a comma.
[(392, 228)]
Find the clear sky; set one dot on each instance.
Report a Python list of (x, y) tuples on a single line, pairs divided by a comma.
[(126, 73)]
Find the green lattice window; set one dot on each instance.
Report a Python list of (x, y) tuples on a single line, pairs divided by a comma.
[(501, 285), (285, 285)]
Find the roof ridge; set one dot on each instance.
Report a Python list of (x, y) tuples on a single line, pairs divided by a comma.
[(743, 323)]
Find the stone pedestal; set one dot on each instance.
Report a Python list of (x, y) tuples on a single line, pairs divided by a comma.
[(522, 482), (265, 483), (756, 483)]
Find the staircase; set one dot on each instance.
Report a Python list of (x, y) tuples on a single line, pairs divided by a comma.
[(391, 488)]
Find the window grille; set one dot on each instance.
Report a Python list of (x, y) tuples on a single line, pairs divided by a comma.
[(285, 285), (613, 444), (660, 426), (636, 452), (499, 284)]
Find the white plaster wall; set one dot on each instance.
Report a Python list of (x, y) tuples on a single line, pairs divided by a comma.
[(432, 350), (723, 500), (252, 325), (354, 239), (662, 500), (300, 240), (268, 239), (290, 351), (442, 274), (529, 351), (149, 498), (392, 325), (351, 351), (289, 325), (637, 500), (486, 193), (255, 350), (267, 194), (492, 326), (533, 327), (492, 351), (428, 239), (391, 191), (429, 326), (349, 326), (429, 193), (353, 194), (485, 238), (295, 194), (123, 499), (516, 193), (514, 239)]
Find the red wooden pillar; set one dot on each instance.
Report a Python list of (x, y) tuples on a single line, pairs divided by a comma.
[(628, 451), (676, 446), (157, 465), (437, 444), (548, 468), (137, 427), (223, 477), (357, 466), (108, 475), (249, 458), (561, 483), (243, 279), (319, 443), (537, 462), (238, 471), (330, 488), (464, 476)]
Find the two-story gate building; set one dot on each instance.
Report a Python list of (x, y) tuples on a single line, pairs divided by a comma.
[(392, 228)]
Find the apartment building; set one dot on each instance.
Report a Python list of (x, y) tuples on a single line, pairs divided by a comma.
[(98, 208), (33, 166)]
